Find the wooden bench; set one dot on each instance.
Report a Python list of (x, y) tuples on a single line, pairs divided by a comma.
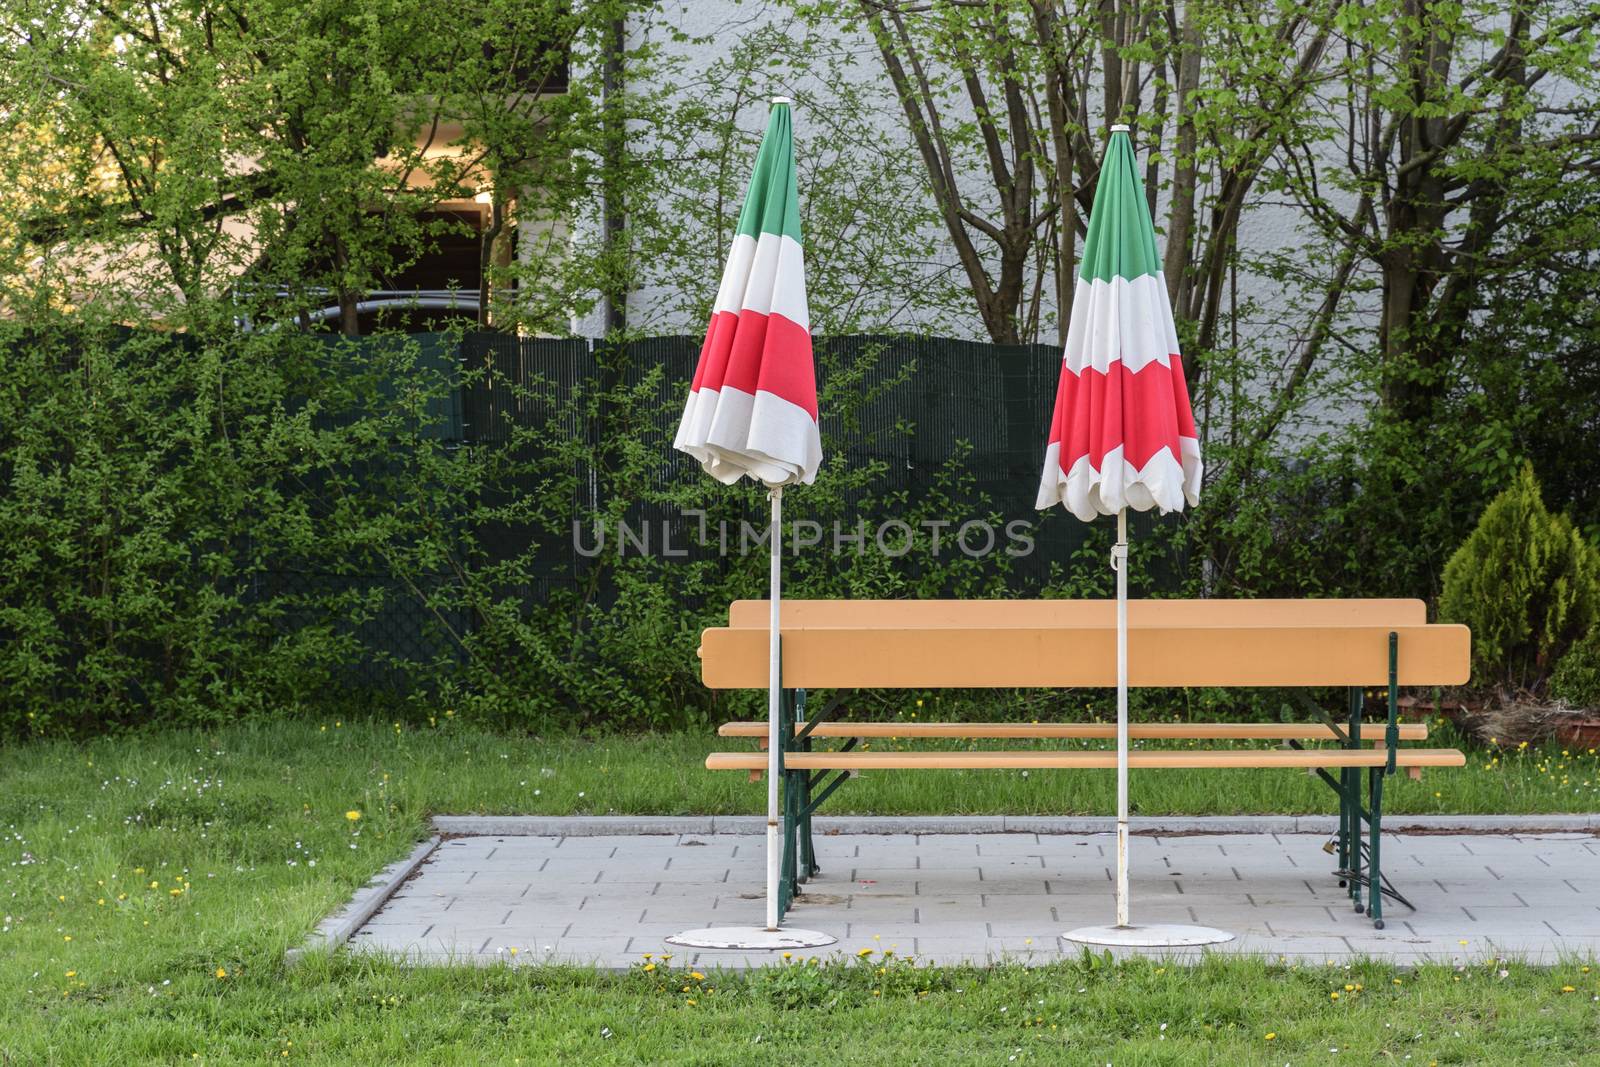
[(849, 645)]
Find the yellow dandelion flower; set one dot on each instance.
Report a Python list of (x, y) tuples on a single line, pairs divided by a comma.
[(72, 974), (649, 967), (1568, 989), (697, 976), (864, 953), (1271, 1036), (352, 815), (222, 972), (1333, 996)]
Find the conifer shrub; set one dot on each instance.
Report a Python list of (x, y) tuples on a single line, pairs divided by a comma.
[(1527, 583)]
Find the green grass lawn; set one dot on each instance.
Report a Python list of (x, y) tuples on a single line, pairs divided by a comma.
[(150, 884)]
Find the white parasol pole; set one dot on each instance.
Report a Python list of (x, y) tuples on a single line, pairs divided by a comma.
[(772, 936), (774, 695), (1119, 563), (1124, 934)]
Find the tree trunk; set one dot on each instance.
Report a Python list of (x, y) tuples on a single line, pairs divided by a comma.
[(1180, 218)]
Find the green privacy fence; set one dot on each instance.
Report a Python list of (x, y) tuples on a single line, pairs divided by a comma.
[(916, 407), (920, 405), (927, 402)]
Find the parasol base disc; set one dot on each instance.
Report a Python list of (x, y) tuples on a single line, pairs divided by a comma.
[(1158, 936), (751, 937)]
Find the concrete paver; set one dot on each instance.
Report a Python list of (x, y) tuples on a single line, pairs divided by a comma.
[(986, 897)]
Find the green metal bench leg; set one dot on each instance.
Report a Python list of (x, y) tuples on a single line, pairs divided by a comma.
[(1375, 779), (786, 882), (808, 851), (1352, 798), (1374, 861), (1346, 820)]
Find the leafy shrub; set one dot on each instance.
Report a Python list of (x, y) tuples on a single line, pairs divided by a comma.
[(1576, 678), (1528, 585), (200, 528), (160, 492)]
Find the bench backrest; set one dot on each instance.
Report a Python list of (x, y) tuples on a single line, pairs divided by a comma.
[(1043, 613), (921, 657)]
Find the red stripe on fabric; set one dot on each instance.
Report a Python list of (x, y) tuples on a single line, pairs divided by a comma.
[(1180, 395), (712, 366), (772, 353), (1144, 411), (787, 368), (744, 358)]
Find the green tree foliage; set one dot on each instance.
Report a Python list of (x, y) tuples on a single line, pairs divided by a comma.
[(1417, 331), (871, 237), (1528, 585), (264, 158)]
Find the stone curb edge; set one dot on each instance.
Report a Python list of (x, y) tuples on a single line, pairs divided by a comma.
[(339, 927), (617, 825)]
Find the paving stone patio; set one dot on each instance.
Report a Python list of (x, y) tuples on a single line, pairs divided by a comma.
[(984, 898)]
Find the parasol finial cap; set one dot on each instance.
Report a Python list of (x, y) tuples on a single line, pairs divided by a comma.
[(782, 100), (1120, 128)]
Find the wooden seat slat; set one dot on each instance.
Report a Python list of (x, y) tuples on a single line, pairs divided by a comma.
[(1139, 759), (1175, 731), (744, 614), (1033, 657)]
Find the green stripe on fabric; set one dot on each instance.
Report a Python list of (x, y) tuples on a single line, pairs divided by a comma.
[(1122, 239), (772, 202)]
